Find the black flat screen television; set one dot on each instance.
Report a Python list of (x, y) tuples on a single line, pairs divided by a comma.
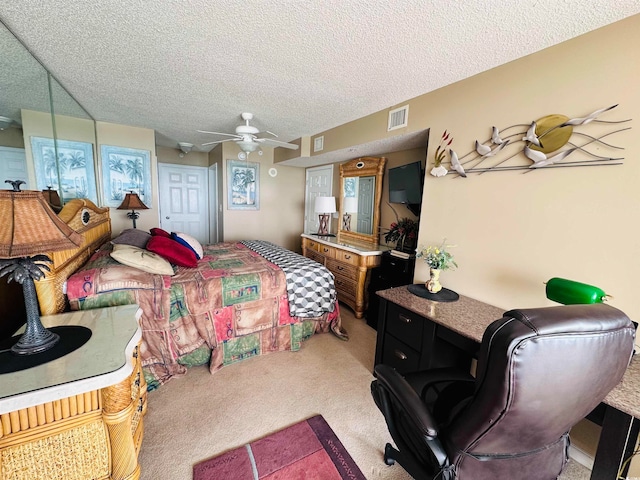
[(405, 186)]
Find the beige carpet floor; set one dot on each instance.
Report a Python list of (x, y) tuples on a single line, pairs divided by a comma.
[(200, 415)]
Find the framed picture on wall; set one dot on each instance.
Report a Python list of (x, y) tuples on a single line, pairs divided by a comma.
[(74, 164), (243, 185), (125, 170)]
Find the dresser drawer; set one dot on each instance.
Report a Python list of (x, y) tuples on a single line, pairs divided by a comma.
[(345, 285), (313, 255), (347, 257), (399, 355), (344, 269), (405, 325), (312, 244), (348, 299), (328, 252)]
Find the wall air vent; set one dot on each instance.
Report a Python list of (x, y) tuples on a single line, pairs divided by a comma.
[(318, 143), (398, 118)]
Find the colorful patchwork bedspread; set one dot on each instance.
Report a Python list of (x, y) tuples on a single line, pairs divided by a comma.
[(233, 305)]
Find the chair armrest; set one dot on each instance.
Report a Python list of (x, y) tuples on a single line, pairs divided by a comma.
[(408, 398)]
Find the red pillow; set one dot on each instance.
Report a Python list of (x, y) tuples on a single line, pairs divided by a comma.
[(160, 232), (172, 251)]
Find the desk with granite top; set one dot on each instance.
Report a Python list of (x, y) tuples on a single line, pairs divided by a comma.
[(458, 327)]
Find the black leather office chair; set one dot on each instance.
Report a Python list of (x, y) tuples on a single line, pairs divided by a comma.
[(539, 372)]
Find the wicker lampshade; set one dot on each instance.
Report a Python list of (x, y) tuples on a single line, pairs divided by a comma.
[(132, 202), (30, 226), (30, 229)]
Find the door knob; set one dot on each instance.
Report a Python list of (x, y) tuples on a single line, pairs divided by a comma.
[(167, 218)]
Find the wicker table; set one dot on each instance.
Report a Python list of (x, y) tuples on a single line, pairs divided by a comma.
[(78, 417)]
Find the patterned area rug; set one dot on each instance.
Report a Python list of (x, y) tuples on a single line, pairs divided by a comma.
[(307, 450)]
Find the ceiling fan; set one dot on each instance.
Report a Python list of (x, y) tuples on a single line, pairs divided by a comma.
[(247, 139)]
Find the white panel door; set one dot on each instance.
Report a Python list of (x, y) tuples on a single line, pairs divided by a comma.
[(184, 200), (13, 165), (319, 184)]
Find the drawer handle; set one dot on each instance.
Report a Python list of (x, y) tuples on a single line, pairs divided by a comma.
[(325, 250), (340, 268), (348, 257), (399, 354), (404, 319)]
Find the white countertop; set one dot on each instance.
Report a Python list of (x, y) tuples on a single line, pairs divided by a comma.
[(359, 248), (105, 360)]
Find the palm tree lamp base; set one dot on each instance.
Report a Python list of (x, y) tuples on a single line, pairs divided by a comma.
[(133, 215), (36, 344), (36, 338)]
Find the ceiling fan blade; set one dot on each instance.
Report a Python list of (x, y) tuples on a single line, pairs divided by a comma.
[(276, 143), (220, 133), (270, 133), (218, 141)]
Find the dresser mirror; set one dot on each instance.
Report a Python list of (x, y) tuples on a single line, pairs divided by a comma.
[(360, 196)]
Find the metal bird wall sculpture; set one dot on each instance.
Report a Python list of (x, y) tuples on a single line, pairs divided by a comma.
[(545, 143)]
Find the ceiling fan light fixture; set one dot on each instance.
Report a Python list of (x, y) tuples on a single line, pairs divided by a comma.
[(185, 147), (247, 146)]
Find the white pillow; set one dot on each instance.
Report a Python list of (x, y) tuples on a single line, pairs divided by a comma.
[(188, 241), (141, 259)]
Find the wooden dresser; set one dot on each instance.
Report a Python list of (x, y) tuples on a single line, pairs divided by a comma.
[(78, 417), (350, 263)]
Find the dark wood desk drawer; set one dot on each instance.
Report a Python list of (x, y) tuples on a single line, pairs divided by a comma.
[(399, 355), (465, 345), (405, 325)]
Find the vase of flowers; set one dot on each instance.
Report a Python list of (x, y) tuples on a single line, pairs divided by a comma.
[(404, 233), (438, 259)]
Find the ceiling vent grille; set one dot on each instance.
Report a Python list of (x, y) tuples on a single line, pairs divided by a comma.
[(318, 144), (398, 118)]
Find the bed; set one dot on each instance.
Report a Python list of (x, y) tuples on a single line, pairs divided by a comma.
[(242, 299)]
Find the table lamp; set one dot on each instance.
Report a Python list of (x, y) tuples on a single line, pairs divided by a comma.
[(29, 228), (132, 202), (349, 206), (324, 207)]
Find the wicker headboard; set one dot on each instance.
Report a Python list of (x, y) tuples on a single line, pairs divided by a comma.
[(94, 224)]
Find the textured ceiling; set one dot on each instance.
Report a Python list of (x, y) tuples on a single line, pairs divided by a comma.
[(302, 67)]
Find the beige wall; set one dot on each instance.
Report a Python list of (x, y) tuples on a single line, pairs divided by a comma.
[(280, 218), (173, 156), (34, 124), (215, 158), (83, 130), (514, 231), (12, 137), (131, 137)]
